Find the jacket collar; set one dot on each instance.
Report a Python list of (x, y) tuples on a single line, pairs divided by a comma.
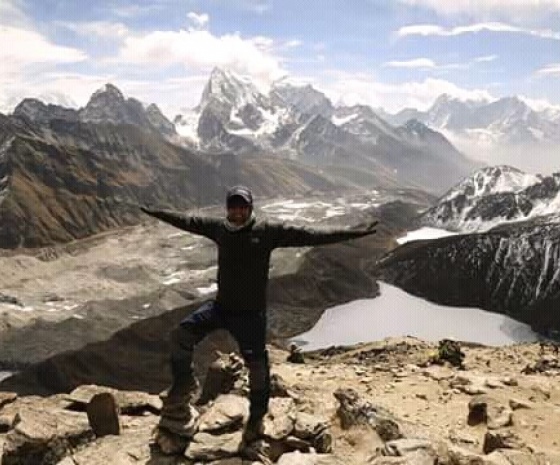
[(234, 228)]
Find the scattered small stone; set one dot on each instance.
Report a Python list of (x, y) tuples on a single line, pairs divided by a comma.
[(492, 383), (8, 299), (296, 354), (485, 409), (509, 381), (517, 404), (461, 437), (503, 439)]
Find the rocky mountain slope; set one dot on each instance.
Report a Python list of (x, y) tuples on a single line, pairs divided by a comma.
[(495, 195), (511, 269), (106, 105), (61, 180), (373, 404)]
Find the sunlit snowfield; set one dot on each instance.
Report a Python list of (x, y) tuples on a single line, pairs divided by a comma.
[(397, 313), (423, 234)]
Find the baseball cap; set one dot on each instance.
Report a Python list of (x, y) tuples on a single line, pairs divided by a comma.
[(240, 192)]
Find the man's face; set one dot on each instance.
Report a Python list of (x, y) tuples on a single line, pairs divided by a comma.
[(238, 211)]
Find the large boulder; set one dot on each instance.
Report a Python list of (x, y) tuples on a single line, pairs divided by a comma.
[(44, 437)]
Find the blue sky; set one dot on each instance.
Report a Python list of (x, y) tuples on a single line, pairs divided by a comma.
[(384, 53)]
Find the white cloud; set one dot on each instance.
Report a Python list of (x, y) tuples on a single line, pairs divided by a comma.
[(133, 10), (254, 6), (100, 29), (198, 21), (486, 58), (362, 88), (518, 9), (11, 13), (28, 47), (429, 64), (539, 104), (415, 63), (435, 30), (293, 43), (68, 89), (549, 70), (200, 50)]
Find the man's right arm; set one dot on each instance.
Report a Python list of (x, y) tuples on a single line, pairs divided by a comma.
[(194, 224)]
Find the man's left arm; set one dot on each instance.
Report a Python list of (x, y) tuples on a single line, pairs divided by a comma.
[(294, 236)]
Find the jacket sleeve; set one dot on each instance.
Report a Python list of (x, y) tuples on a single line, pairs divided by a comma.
[(294, 236), (194, 224)]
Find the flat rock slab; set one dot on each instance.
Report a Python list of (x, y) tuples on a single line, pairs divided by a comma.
[(298, 458), (207, 447), (228, 411), (129, 402), (40, 433)]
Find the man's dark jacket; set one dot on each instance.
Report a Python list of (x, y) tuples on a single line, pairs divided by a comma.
[(244, 254)]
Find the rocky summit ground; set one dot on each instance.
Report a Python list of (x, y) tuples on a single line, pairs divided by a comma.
[(379, 403)]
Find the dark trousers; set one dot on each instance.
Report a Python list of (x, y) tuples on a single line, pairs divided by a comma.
[(248, 329)]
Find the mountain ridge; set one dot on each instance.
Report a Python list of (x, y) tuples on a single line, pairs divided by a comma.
[(495, 195)]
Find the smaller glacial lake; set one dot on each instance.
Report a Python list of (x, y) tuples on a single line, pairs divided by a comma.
[(396, 313)]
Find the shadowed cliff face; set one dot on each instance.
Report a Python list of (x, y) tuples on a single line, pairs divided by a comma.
[(511, 270), (67, 180)]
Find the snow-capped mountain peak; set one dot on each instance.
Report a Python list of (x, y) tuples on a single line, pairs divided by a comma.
[(108, 91), (493, 180), (495, 195), (304, 98), (230, 88), (109, 105)]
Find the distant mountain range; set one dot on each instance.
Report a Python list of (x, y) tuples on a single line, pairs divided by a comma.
[(507, 130), (67, 173), (298, 122), (507, 120)]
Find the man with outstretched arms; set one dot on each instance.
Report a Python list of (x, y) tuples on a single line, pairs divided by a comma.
[(244, 247)]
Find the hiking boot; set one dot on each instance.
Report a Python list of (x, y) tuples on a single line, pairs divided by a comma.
[(176, 401), (253, 430)]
